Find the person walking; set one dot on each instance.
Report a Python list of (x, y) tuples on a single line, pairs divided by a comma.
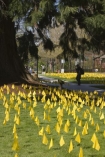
[(78, 77)]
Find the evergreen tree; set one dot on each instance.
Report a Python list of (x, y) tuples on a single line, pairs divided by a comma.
[(11, 67)]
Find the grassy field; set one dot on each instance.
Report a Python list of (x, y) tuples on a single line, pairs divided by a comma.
[(57, 123), (97, 78)]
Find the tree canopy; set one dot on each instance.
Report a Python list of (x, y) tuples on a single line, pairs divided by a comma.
[(74, 15)]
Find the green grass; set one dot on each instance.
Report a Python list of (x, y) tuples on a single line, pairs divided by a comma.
[(73, 80), (30, 143)]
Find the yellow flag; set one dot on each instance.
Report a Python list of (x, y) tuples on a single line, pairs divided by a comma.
[(80, 123), (18, 120), (19, 111), (69, 112), (48, 129), (45, 140), (77, 138), (102, 116), (71, 146), (90, 117), (41, 131), (79, 100), (76, 121), (92, 122), (61, 142), (97, 128), (4, 122), (37, 120), (93, 138), (75, 132), (68, 122), (81, 152), (66, 129), (24, 105), (61, 112), (45, 116), (60, 120), (51, 143), (32, 112), (85, 115), (86, 125), (15, 135), (7, 116), (57, 128), (16, 155), (13, 86), (104, 133), (96, 145), (14, 128), (84, 132), (58, 110), (15, 145)]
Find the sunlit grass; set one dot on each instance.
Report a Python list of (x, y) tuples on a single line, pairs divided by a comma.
[(62, 111), (96, 78)]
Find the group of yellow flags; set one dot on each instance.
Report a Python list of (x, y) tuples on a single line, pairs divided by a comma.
[(65, 104)]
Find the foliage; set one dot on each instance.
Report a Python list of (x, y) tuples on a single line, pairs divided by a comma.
[(75, 16), (26, 45)]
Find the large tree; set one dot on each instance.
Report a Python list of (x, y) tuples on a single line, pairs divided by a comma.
[(11, 67)]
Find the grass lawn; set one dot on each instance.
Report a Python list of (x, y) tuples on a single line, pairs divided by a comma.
[(28, 123), (91, 78)]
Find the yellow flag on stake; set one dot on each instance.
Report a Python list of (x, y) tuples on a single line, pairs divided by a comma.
[(93, 138), (14, 128), (92, 122), (71, 146), (68, 122), (16, 155), (96, 145), (66, 129), (41, 131), (95, 142), (80, 123), (57, 128), (77, 138), (75, 132), (61, 142), (86, 125), (45, 140), (15, 135), (51, 143), (45, 116), (48, 129), (17, 120), (81, 152), (102, 116), (15, 145), (7, 116), (84, 132), (104, 133), (97, 127)]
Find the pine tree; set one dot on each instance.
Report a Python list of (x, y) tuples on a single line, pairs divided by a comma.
[(35, 13)]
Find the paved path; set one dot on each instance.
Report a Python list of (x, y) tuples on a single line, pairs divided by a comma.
[(70, 86)]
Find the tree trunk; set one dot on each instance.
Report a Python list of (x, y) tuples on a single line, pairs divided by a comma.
[(11, 67)]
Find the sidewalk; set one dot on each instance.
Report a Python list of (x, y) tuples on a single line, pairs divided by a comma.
[(70, 86)]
